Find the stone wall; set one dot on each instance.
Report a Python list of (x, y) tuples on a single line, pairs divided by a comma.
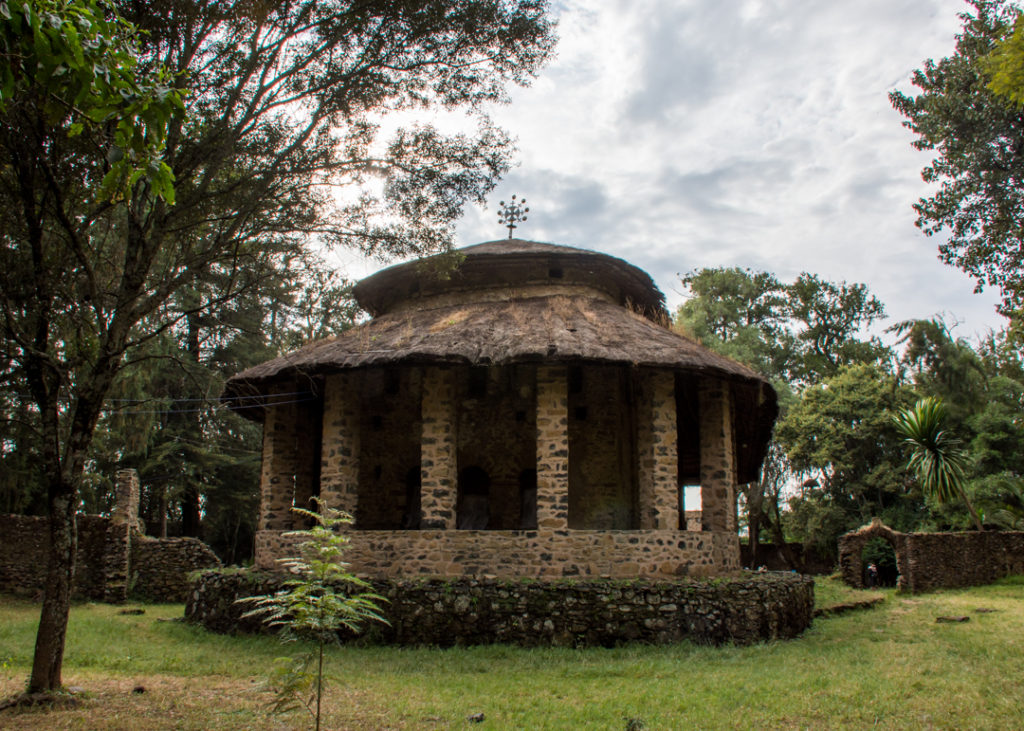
[(24, 541), (928, 561), (536, 554), (742, 609), (160, 566), (113, 560)]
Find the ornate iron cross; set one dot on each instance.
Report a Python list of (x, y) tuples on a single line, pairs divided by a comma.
[(512, 213)]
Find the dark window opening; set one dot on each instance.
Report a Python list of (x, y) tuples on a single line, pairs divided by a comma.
[(555, 272), (580, 412), (576, 379), (520, 416), (411, 515), (528, 499), (477, 382), (376, 422), (473, 508), (392, 383)]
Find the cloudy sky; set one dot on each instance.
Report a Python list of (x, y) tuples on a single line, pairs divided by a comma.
[(680, 134)]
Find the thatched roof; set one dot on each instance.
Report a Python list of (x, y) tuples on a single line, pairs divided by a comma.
[(582, 323), (511, 263)]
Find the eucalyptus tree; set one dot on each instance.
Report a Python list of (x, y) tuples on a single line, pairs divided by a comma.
[(280, 144)]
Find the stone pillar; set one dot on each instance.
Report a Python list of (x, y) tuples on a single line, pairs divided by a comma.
[(717, 458), (438, 461), (552, 448), (277, 475), (126, 498), (658, 473), (339, 450)]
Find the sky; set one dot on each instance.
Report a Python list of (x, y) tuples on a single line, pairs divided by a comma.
[(679, 134)]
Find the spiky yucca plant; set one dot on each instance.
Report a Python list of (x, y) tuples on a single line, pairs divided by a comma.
[(936, 459)]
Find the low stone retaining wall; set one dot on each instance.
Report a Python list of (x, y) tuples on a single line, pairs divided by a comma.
[(928, 561), (546, 554), (742, 609)]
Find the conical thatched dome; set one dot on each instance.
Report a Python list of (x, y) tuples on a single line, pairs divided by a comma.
[(515, 302)]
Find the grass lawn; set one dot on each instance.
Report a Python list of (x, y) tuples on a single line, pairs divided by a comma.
[(892, 667)]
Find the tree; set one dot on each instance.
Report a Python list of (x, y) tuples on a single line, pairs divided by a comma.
[(937, 458), (841, 437), (81, 126), (978, 138), (280, 149), (795, 334), (315, 606)]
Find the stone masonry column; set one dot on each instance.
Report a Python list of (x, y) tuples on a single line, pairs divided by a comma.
[(126, 499), (339, 453), (438, 461), (277, 475), (657, 452), (717, 460), (552, 447)]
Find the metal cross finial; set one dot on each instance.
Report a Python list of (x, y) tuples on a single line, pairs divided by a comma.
[(512, 213)]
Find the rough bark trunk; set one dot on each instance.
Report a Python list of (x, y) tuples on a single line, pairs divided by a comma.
[(48, 660)]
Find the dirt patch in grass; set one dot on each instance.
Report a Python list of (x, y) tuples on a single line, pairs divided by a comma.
[(155, 702)]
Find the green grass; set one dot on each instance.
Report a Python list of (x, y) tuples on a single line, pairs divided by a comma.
[(890, 667)]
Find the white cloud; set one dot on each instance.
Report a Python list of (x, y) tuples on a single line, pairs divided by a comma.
[(686, 134)]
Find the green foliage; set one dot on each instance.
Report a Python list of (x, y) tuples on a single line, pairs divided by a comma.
[(937, 458), (76, 64), (315, 606), (976, 136)]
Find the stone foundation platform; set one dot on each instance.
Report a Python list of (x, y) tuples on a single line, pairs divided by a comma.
[(539, 554), (744, 608)]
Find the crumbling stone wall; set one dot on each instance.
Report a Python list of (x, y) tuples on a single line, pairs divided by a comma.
[(113, 561), (536, 554), (928, 561), (24, 542), (743, 609), (114, 558), (160, 566)]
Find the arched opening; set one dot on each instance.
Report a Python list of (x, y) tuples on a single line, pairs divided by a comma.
[(473, 509), (878, 563), (411, 515), (528, 499)]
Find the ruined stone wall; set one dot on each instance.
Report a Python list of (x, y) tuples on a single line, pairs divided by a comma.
[(24, 542), (939, 560), (113, 560), (928, 561), (538, 554), (602, 447), (160, 566), (470, 611)]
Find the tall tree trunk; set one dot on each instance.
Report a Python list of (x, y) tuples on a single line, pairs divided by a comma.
[(48, 660), (190, 418)]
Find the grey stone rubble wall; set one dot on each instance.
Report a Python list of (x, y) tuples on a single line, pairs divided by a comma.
[(928, 561), (743, 609), (113, 559), (160, 566), (938, 560), (24, 541)]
